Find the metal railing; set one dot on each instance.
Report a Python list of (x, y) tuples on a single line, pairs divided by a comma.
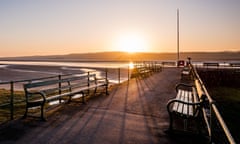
[(10, 88), (114, 75), (212, 116), (213, 119)]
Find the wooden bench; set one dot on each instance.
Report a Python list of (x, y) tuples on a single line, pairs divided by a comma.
[(143, 71), (38, 94), (187, 73), (234, 64), (210, 64), (187, 104)]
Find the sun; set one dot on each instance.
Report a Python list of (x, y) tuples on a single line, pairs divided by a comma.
[(132, 43)]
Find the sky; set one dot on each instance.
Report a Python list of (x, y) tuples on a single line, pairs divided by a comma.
[(56, 27)]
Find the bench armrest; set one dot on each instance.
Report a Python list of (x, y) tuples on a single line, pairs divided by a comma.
[(39, 93), (103, 79), (99, 79)]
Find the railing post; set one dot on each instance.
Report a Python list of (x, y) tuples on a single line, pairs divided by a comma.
[(211, 121), (12, 100), (59, 86), (106, 78), (106, 73), (88, 79), (119, 76), (128, 72)]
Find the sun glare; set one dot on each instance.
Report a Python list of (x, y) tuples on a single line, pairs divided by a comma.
[(131, 65), (132, 43)]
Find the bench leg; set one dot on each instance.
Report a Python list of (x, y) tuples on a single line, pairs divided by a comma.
[(70, 98), (170, 117), (107, 89), (95, 91), (185, 124), (42, 112), (26, 111), (83, 101), (199, 125), (170, 122)]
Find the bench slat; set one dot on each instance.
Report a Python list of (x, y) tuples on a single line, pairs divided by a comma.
[(190, 107), (180, 105), (185, 109), (175, 105), (185, 106)]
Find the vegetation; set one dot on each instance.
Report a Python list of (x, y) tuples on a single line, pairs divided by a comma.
[(223, 87), (19, 104), (5, 106), (228, 103)]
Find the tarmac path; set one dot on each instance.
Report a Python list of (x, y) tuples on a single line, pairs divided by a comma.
[(134, 112)]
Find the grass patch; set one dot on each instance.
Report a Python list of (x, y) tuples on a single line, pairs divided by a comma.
[(222, 94), (228, 103), (19, 104), (5, 106)]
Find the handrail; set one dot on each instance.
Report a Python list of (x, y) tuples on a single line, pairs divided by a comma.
[(41, 78), (213, 108), (11, 88)]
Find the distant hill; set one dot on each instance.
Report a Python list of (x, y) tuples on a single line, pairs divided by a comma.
[(123, 56)]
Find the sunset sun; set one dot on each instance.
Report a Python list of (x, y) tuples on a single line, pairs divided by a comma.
[(131, 43)]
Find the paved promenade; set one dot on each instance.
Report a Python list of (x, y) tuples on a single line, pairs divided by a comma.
[(134, 112)]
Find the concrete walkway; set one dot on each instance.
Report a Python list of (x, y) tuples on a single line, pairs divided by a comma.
[(134, 112)]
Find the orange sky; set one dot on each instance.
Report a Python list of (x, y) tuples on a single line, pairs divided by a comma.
[(44, 27)]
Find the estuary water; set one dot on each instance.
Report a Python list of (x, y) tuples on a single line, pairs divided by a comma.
[(21, 70), (69, 64)]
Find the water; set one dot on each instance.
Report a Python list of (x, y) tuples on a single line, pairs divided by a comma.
[(17, 70), (68, 64)]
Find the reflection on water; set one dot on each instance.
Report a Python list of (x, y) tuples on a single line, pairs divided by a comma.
[(131, 65), (71, 64)]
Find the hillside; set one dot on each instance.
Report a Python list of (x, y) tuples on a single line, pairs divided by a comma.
[(123, 56)]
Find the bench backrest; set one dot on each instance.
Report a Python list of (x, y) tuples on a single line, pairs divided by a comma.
[(61, 84), (199, 92), (198, 96), (211, 64)]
